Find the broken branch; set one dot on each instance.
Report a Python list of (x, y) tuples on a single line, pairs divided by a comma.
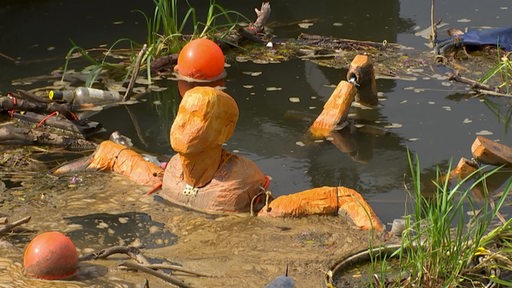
[(132, 252), (6, 228), (173, 280)]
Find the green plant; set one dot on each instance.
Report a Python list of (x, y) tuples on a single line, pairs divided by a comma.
[(98, 65), (439, 243), (503, 69), (166, 29), (165, 35)]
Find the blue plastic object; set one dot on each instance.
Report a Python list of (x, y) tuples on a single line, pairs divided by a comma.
[(282, 282), (499, 37)]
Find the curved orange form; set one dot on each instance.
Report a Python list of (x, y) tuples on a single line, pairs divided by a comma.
[(120, 159), (325, 200)]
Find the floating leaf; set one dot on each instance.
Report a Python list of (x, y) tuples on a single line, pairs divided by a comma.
[(393, 125), (305, 25), (252, 73), (484, 132)]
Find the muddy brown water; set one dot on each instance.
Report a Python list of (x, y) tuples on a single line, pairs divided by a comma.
[(236, 250), (424, 113)]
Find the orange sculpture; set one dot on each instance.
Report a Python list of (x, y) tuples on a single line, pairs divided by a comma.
[(205, 177)]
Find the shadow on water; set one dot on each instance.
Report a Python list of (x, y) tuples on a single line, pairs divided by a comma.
[(125, 229)]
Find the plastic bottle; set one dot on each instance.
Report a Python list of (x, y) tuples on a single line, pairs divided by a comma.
[(83, 95)]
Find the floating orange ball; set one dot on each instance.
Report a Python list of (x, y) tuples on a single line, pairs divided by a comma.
[(200, 59), (51, 256)]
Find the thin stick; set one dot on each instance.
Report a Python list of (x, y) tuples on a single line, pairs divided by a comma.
[(478, 87), (173, 280), (176, 268), (131, 251), (493, 93), (9, 226), (135, 73), (473, 83), (9, 58), (433, 35)]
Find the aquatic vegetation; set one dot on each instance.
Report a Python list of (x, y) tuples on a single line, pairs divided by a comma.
[(503, 70), (166, 34), (166, 30), (447, 242)]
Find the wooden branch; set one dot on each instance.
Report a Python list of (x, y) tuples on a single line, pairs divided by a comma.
[(78, 128), (474, 84), (433, 33), (8, 227), (262, 17), (31, 96), (11, 134), (132, 252), (169, 278), (340, 43), (176, 268), (135, 72), (17, 103), (164, 63)]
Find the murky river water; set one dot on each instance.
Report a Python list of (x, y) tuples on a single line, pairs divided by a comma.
[(429, 116)]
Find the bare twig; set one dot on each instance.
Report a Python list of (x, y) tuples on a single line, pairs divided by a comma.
[(9, 58), (176, 268), (262, 16), (166, 277), (135, 72), (493, 93), (433, 35), (6, 228), (131, 251), (477, 86), (473, 83)]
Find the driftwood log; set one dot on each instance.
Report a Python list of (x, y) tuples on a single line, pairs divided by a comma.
[(12, 134), (20, 102), (8, 227)]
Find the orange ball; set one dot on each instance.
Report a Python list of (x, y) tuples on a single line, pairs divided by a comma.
[(51, 256), (200, 59)]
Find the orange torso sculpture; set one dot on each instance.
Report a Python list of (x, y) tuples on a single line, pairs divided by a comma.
[(203, 176)]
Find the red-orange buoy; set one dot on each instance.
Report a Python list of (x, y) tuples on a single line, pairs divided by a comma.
[(51, 256), (200, 59)]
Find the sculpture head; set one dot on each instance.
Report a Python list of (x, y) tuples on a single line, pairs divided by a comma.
[(206, 119)]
